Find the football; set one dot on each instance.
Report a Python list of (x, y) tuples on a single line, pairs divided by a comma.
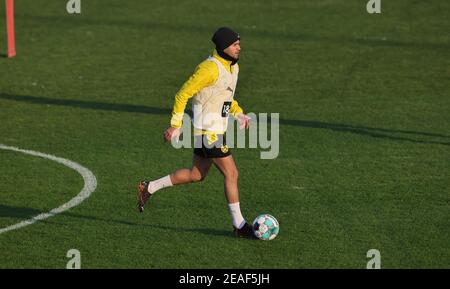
[(266, 227)]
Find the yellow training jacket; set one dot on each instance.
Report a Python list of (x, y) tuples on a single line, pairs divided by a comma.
[(206, 74)]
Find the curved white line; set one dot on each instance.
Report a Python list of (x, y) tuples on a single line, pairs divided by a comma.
[(90, 183)]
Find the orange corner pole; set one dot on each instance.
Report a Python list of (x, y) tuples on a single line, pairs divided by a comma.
[(10, 28)]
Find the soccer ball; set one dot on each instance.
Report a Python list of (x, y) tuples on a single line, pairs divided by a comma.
[(266, 227)]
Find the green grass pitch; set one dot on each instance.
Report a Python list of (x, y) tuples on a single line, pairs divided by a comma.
[(364, 162)]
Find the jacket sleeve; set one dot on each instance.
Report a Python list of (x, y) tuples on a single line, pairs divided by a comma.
[(205, 75), (235, 108)]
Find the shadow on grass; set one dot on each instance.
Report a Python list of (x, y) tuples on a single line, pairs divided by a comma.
[(371, 131), (390, 134), (22, 214), (191, 28), (205, 231), (18, 213), (87, 104)]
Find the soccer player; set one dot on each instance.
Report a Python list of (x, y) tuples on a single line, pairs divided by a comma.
[(212, 88)]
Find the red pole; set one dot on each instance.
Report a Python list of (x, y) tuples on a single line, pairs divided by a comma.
[(10, 28)]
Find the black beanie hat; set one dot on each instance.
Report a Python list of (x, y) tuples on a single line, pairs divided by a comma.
[(224, 37)]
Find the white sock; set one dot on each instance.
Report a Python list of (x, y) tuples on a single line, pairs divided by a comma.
[(159, 184), (235, 210)]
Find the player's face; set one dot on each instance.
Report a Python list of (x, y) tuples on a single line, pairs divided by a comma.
[(234, 49)]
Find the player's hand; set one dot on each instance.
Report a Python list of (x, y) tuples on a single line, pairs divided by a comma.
[(244, 121), (171, 133)]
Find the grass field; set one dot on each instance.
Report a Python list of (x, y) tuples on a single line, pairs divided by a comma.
[(364, 163)]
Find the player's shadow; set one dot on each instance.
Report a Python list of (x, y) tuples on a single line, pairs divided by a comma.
[(205, 231), (22, 213), (382, 133)]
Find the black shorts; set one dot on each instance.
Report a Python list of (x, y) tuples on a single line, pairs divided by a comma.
[(204, 148)]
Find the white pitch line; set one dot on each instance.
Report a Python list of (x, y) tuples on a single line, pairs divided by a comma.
[(90, 183)]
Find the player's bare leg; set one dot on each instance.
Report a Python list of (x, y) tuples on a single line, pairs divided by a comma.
[(228, 168), (198, 172)]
